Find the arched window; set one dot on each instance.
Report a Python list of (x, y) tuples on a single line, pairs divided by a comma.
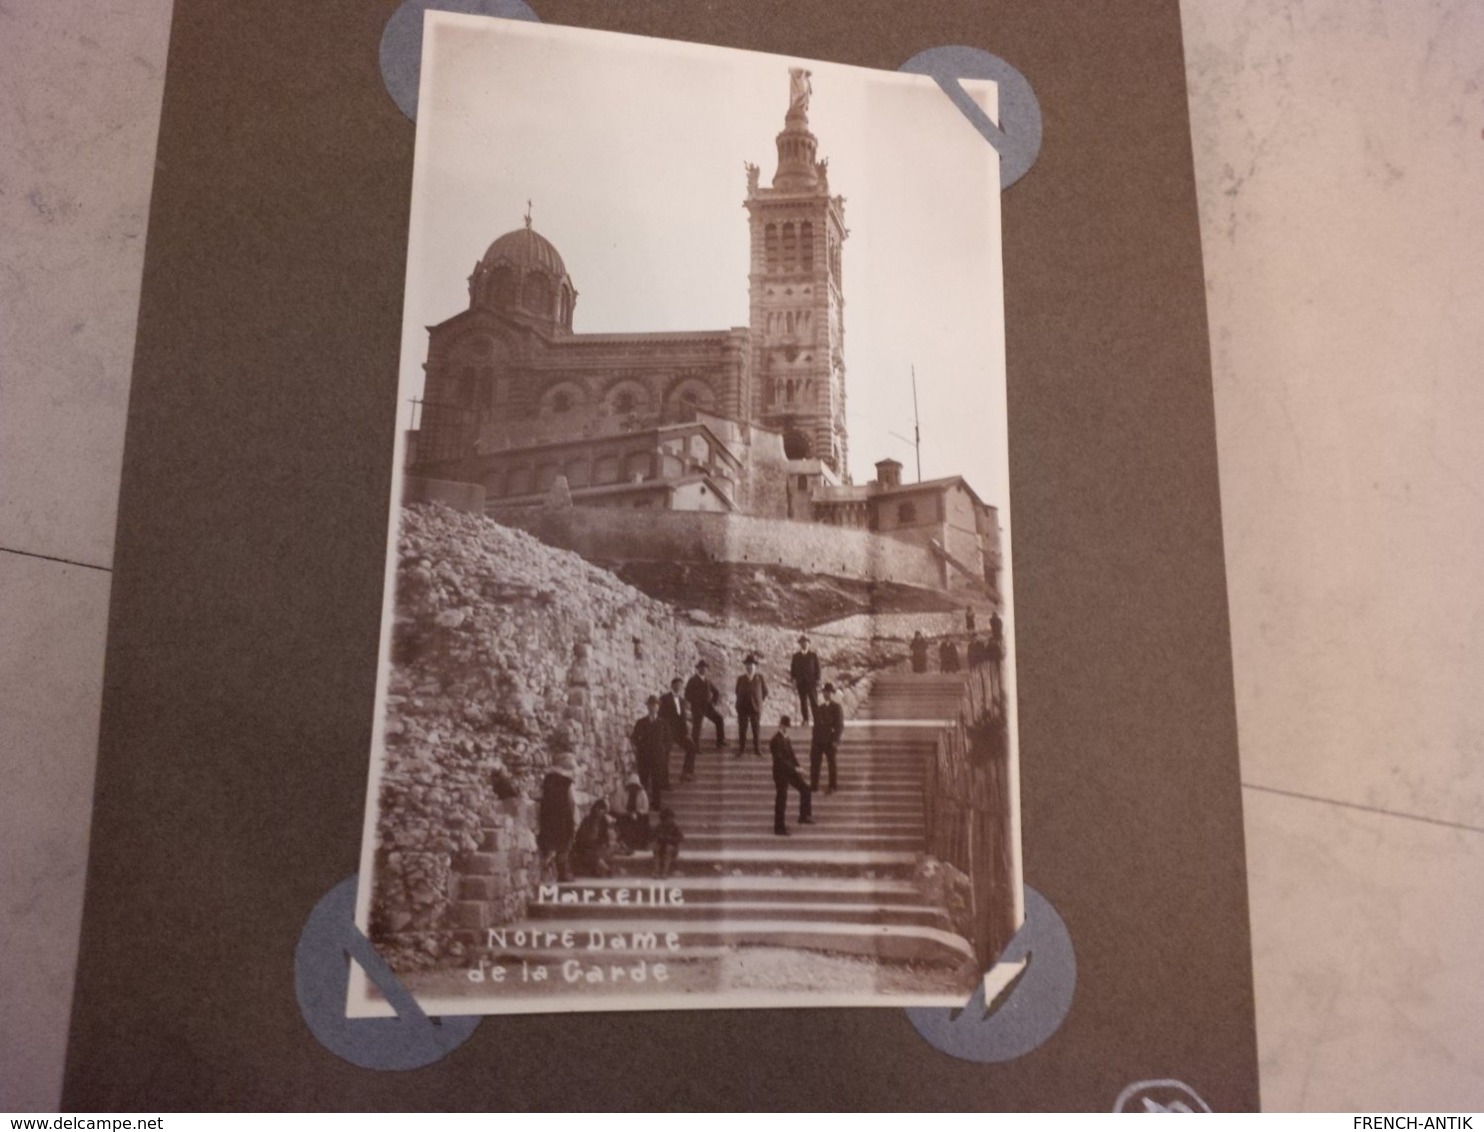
[(563, 398), (627, 397), (687, 397), (790, 247), (486, 392), (538, 295), (770, 246), (502, 287), (806, 245)]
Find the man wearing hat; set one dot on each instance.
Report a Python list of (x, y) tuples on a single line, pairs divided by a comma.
[(786, 774), (651, 741), (752, 690), (804, 671), (824, 741), (702, 696)]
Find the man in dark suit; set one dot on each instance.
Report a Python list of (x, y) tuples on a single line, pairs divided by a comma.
[(651, 742), (673, 715), (752, 690), (702, 696), (803, 670), (824, 741), (786, 774)]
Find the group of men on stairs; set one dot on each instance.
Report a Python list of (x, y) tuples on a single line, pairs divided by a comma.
[(675, 719)]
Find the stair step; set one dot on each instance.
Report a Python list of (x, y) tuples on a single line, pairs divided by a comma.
[(837, 804), (741, 825), (714, 888), (850, 778), (805, 838), (667, 917), (806, 859)]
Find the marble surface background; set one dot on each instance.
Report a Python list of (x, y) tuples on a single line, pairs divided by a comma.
[(1339, 148)]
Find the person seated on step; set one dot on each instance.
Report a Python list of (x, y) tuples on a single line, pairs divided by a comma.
[(631, 818), (592, 853), (667, 839), (786, 774)]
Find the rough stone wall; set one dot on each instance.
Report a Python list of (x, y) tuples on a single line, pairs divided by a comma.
[(505, 653), (597, 532)]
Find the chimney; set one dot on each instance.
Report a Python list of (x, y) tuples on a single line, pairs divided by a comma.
[(889, 473)]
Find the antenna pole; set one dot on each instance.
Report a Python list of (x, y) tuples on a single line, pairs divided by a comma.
[(916, 425)]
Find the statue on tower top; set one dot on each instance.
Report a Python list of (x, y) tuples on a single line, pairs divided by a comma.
[(799, 90)]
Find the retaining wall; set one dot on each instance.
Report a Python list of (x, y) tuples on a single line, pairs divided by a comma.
[(612, 534)]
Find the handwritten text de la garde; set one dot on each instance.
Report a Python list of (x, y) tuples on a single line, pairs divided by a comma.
[(634, 963)]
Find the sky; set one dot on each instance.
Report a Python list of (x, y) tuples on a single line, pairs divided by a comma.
[(631, 151)]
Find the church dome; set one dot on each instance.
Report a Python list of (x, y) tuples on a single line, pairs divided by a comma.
[(522, 276), (526, 249)]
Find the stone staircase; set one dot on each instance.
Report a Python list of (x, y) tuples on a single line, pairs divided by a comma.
[(843, 884)]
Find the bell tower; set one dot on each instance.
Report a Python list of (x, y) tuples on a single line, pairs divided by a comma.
[(798, 307)]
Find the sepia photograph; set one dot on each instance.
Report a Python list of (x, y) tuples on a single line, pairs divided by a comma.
[(697, 679)]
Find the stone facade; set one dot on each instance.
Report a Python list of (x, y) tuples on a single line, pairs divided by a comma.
[(942, 515), (797, 297)]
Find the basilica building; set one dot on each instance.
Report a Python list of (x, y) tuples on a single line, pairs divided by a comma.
[(746, 420)]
